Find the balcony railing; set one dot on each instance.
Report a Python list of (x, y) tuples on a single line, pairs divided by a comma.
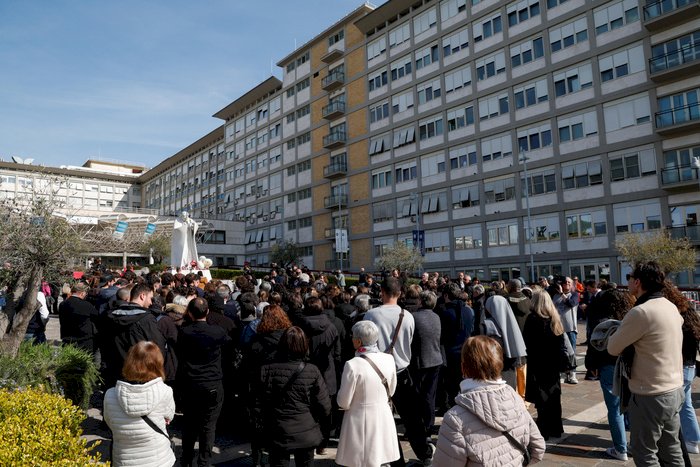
[(334, 109), (678, 115), (335, 201), (337, 169), (664, 13), (674, 59), (334, 80), (691, 232), (333, 139), (674, 175)]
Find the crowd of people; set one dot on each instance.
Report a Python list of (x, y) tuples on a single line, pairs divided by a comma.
[(296, 361)]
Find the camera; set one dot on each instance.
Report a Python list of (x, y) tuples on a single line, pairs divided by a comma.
[(560, 280)]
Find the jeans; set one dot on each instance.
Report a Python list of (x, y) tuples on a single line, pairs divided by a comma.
[(201, 408), (689, 422), (572, 338), (612, 402), (654, 428)]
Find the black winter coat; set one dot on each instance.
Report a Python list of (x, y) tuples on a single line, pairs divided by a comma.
[(324, 346), (78, 318), (292, 413)]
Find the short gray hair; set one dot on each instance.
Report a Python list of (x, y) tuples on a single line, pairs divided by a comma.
[(428, 299), (180, 300), (266, 286), (362, 303), (366, 331)]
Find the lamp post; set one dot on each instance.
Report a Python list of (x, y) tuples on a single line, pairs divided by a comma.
[(340, 216), (416, 196), (523, 158)]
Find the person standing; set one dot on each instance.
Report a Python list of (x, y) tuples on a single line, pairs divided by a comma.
[(77, 318), (200, 379), (654, 328), (566, 300)]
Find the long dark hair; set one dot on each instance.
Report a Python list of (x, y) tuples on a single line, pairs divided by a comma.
[(691, 321)]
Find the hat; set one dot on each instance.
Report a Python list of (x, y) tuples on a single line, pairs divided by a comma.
[(104, 280), (303, 277)]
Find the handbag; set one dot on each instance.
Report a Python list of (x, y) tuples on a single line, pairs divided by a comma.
[(381, 376), (150, 423)]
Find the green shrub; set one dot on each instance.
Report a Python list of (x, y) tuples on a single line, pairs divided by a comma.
[(65, 370), (38, 428), (158, 268), (225, 274)]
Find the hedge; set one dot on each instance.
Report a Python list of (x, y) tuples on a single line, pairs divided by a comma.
[(38, 428)]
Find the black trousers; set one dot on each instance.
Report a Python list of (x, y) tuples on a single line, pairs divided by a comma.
[(406, 400), (425, 381), (201, 409), (302, 457)]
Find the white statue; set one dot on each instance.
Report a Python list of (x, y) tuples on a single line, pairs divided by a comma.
[(184, 248)]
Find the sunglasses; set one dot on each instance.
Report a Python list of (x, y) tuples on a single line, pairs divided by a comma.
[(630, 276)]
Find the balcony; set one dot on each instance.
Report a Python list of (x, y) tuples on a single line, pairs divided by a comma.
[(335, 201), (680, 178), (335, 170), (678, 120), (332, 55), (334, 139), (677, 64), (334, 80), (333, 110), (691, 232), (665, 13)]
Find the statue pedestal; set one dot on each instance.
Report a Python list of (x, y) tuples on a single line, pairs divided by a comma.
[(205, 272)]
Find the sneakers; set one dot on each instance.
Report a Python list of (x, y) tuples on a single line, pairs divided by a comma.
[(428, 461), (571, 378), (612, 452), (692, 448)]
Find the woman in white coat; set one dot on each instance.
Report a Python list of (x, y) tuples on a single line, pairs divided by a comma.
[(141, 393), (368, 434)]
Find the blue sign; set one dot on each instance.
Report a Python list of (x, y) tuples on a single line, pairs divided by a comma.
[(419, 240), (120, 229), (150, 229)]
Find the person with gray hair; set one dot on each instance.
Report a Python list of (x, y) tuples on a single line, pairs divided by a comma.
[(426, 357), (368, 433), (362, 303)]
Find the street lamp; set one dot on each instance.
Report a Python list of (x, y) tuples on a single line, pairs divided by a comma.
[(522, 157)]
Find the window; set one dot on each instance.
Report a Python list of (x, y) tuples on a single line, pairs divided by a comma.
[(428, 91), (306, 251), (304, 194), (615, 16), (381, 178), (427, 56), (637, 216), (275, 155), (490, 66), (291, 197), (304, 222), (575, 127), (554, 3), (405, 172), (262, 112), (433, 202), (399, 35), (425, 21), (493, 106), (467, 237), (465, 196), (215, 237), (502, 189), (627, 112), (459, 118), (379, 112), (275, 130), (539, 182), (402, 102), (678, 108), (376, 48), (463, 156), (379, 144), (304, 166), (250, 119), (290, 92), (582, 174), (406, 207), (303, 84), (292, 225), (676, 52), (337, 37), (275, 105), (633, 165), (496, 147), (382, 212), (543, 229), (263, 135), (581, 225), (404, 136), (526, 52), (303, 59), (531, 93), (401, 67), (290, 117), (502, 235), (621, 63), (250, 142), (451, 8), (568, 35), (302, 111), (458, 79), (304, 138), (432, 164), (377, 80), (488, 28), (430, 127), (522, 11), (455, 42), (437, 241), (573, 80)]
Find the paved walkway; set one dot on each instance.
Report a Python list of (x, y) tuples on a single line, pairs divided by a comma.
[(585, 425)]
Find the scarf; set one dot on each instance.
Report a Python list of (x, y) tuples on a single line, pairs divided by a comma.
[(374, 348)]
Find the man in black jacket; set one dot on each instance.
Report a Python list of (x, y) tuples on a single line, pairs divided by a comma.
[(200, 378), (77, 318)]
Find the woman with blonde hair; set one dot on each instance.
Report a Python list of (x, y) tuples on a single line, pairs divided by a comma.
[(139, 408), (544, 337)]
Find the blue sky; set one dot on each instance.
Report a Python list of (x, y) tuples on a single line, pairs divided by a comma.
[(137, 80)]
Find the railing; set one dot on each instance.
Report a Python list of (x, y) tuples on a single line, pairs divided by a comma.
[(333, 107), (333, 201), (656, 9), (678, 115), (691, 232), (332, 78), (337, 168), (679, 57), (335, 137), (684, 173)]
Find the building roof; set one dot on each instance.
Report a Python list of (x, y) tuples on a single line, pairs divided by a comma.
[(363, 9), (129, 165), (382, 14), (202, 143), (67, 171), (268, 86)]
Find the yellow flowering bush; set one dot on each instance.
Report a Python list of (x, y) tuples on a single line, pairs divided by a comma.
[(38, 429)]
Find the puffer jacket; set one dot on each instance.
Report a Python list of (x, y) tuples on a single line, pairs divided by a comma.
[(136, 443), (471, 432)]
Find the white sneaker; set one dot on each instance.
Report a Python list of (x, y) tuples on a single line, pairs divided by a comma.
[(692, 448), (571, 379), (612, 452)]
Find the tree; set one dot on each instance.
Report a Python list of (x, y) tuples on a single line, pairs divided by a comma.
[(402, 257), (673, 255), (160, 245), (36, 241), (285, 253)]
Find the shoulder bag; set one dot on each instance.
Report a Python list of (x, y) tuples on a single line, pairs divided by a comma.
[(381, 376), (390, 349), (155, 427)]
